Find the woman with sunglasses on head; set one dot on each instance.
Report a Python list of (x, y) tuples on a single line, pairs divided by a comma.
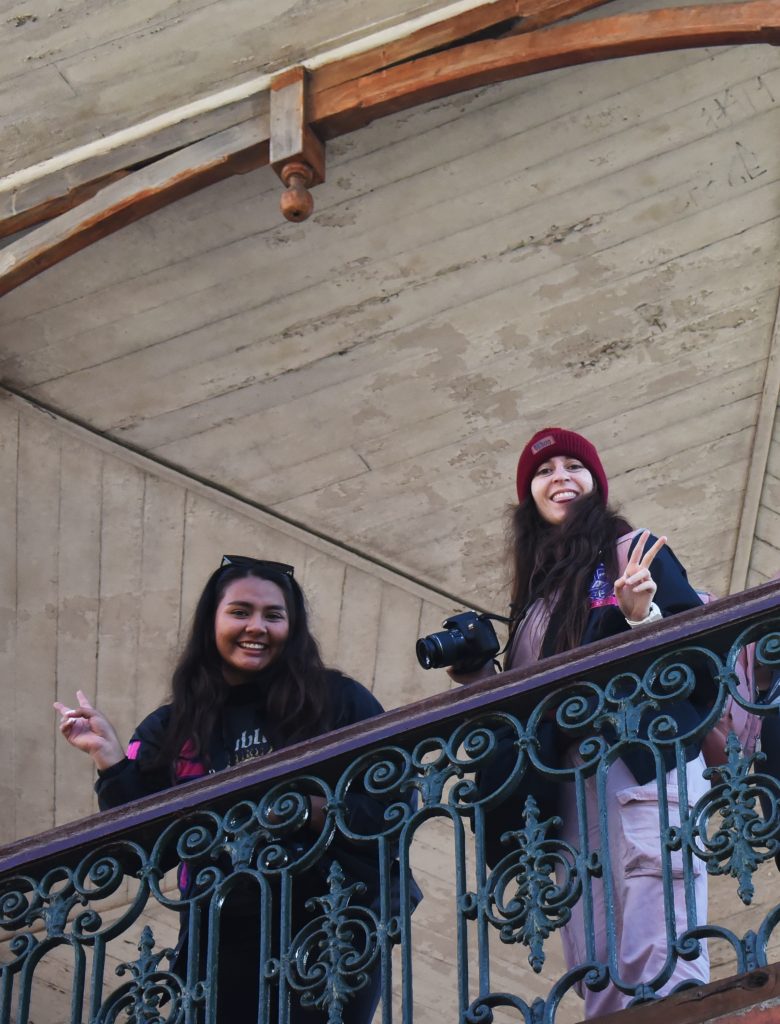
[(581, 574), (249, 680)]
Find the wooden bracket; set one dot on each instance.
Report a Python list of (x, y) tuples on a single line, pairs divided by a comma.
[(297, 154), (79, 202)]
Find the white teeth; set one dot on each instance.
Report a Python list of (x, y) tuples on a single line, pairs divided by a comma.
[(564, 496), (248, 645)]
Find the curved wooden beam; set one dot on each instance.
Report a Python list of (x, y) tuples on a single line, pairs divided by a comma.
[(36, 194), (234, 151), (337, 109), (351, 105)]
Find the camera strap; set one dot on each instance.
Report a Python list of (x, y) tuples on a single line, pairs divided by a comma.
[(507, 622)]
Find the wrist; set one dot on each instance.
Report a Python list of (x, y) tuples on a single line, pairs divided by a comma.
[(110, 769), (653, 614), (107, 760), (471, 675)]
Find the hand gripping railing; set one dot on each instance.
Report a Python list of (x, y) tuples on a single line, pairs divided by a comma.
[(330, 912)]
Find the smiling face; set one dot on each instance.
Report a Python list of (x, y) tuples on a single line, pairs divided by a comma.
[(556, 484), (251, 627)]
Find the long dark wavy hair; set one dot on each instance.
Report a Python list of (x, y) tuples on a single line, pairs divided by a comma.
[(556, 562), (295, 684)]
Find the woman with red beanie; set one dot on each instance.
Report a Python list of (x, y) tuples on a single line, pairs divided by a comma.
[(580, 574)]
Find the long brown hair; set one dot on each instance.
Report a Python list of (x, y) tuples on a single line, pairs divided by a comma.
[(556, 563), (296, 686)]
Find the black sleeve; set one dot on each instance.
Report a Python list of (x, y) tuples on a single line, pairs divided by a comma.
[(365, 814), (351, 700), (674, 594), (135, 777)]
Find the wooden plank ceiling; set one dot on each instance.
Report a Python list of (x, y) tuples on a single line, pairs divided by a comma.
[(596, 247), (101, 188), (72, 72)]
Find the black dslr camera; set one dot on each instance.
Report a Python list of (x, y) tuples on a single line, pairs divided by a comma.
[(467, 641)]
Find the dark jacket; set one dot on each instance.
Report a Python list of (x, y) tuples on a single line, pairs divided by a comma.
[(243, 732)]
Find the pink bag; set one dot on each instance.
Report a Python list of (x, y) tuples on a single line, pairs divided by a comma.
[(744, 724)]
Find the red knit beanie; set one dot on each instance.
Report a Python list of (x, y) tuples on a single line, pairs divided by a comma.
[(556, 441)]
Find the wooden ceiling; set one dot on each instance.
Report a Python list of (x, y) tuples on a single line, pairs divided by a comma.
[(595, 247)]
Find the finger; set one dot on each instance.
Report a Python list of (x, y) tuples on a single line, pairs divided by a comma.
[(68, 716), (83, 701), (638, 577), (77, 714), (639, 548), (653, 552), (647, 587)]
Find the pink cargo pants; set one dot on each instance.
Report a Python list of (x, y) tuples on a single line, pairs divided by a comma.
[(641, 943)]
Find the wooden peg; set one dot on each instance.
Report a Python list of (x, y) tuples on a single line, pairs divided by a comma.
[(297, 154), (296, 201)]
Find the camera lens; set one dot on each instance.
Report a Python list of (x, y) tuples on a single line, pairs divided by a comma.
[(428, 652), (440, 649)]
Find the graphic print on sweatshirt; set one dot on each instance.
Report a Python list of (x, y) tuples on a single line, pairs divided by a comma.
[(601, 591), (243, 729), (249, 743)]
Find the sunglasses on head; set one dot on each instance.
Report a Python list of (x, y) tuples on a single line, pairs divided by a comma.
[(257, 563)]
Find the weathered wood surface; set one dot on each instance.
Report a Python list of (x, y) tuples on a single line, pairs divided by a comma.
[(354, 104), (389, 358), (133, 196), (43, 193), (757, 470), (72, 73), (36, 192), (499, 18), (749, 998), (43, 189), (343, 108)]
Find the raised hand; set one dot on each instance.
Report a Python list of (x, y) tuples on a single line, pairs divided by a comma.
[(636, 588), (89, 730)]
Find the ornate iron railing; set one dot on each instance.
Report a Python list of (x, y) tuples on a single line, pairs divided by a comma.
[(466, 756)]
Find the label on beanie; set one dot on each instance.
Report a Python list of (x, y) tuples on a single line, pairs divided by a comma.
[(541, 444)]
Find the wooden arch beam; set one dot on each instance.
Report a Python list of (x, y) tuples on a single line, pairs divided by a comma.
[(351, 105), (234, 151), (335, 109)]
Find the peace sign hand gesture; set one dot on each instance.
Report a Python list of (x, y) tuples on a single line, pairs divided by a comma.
[(636, 588)]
